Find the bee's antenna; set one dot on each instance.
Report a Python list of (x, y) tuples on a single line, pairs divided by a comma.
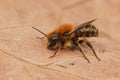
[(40, 31)]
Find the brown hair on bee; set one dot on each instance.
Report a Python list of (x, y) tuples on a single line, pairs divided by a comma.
[(67, 35), (58, 35)]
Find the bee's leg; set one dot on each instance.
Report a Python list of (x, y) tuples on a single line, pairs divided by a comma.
[(55, 53), (79, 47), (90, 46), (59, 48), (40, 37)]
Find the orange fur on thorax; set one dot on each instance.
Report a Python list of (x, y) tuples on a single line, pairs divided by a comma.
[(61, 30), (64, 28)]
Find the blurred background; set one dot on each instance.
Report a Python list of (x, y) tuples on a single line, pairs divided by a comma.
[(53, 13), (18, 39)]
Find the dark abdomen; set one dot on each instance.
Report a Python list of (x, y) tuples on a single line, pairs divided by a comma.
[(87, 31)]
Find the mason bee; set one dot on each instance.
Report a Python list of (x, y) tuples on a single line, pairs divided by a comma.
[(67, 35)]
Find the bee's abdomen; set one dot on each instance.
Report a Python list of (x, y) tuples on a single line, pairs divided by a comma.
[(87, 31)]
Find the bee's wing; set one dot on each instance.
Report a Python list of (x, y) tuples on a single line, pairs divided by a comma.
[(81, 25)]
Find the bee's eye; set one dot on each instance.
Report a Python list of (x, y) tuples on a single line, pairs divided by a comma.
[(53, 41), (55, 38)]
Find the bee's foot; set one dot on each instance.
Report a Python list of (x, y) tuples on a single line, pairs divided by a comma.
[(99, 59), (51, 56)]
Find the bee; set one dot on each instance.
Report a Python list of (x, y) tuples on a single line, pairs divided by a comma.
[(67, 35)]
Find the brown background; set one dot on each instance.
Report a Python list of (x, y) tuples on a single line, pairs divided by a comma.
[(25, 57)]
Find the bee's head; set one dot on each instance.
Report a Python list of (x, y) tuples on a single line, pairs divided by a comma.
[(53, 39)]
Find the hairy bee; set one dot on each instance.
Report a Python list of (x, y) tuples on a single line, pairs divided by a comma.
[(67, 35)]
